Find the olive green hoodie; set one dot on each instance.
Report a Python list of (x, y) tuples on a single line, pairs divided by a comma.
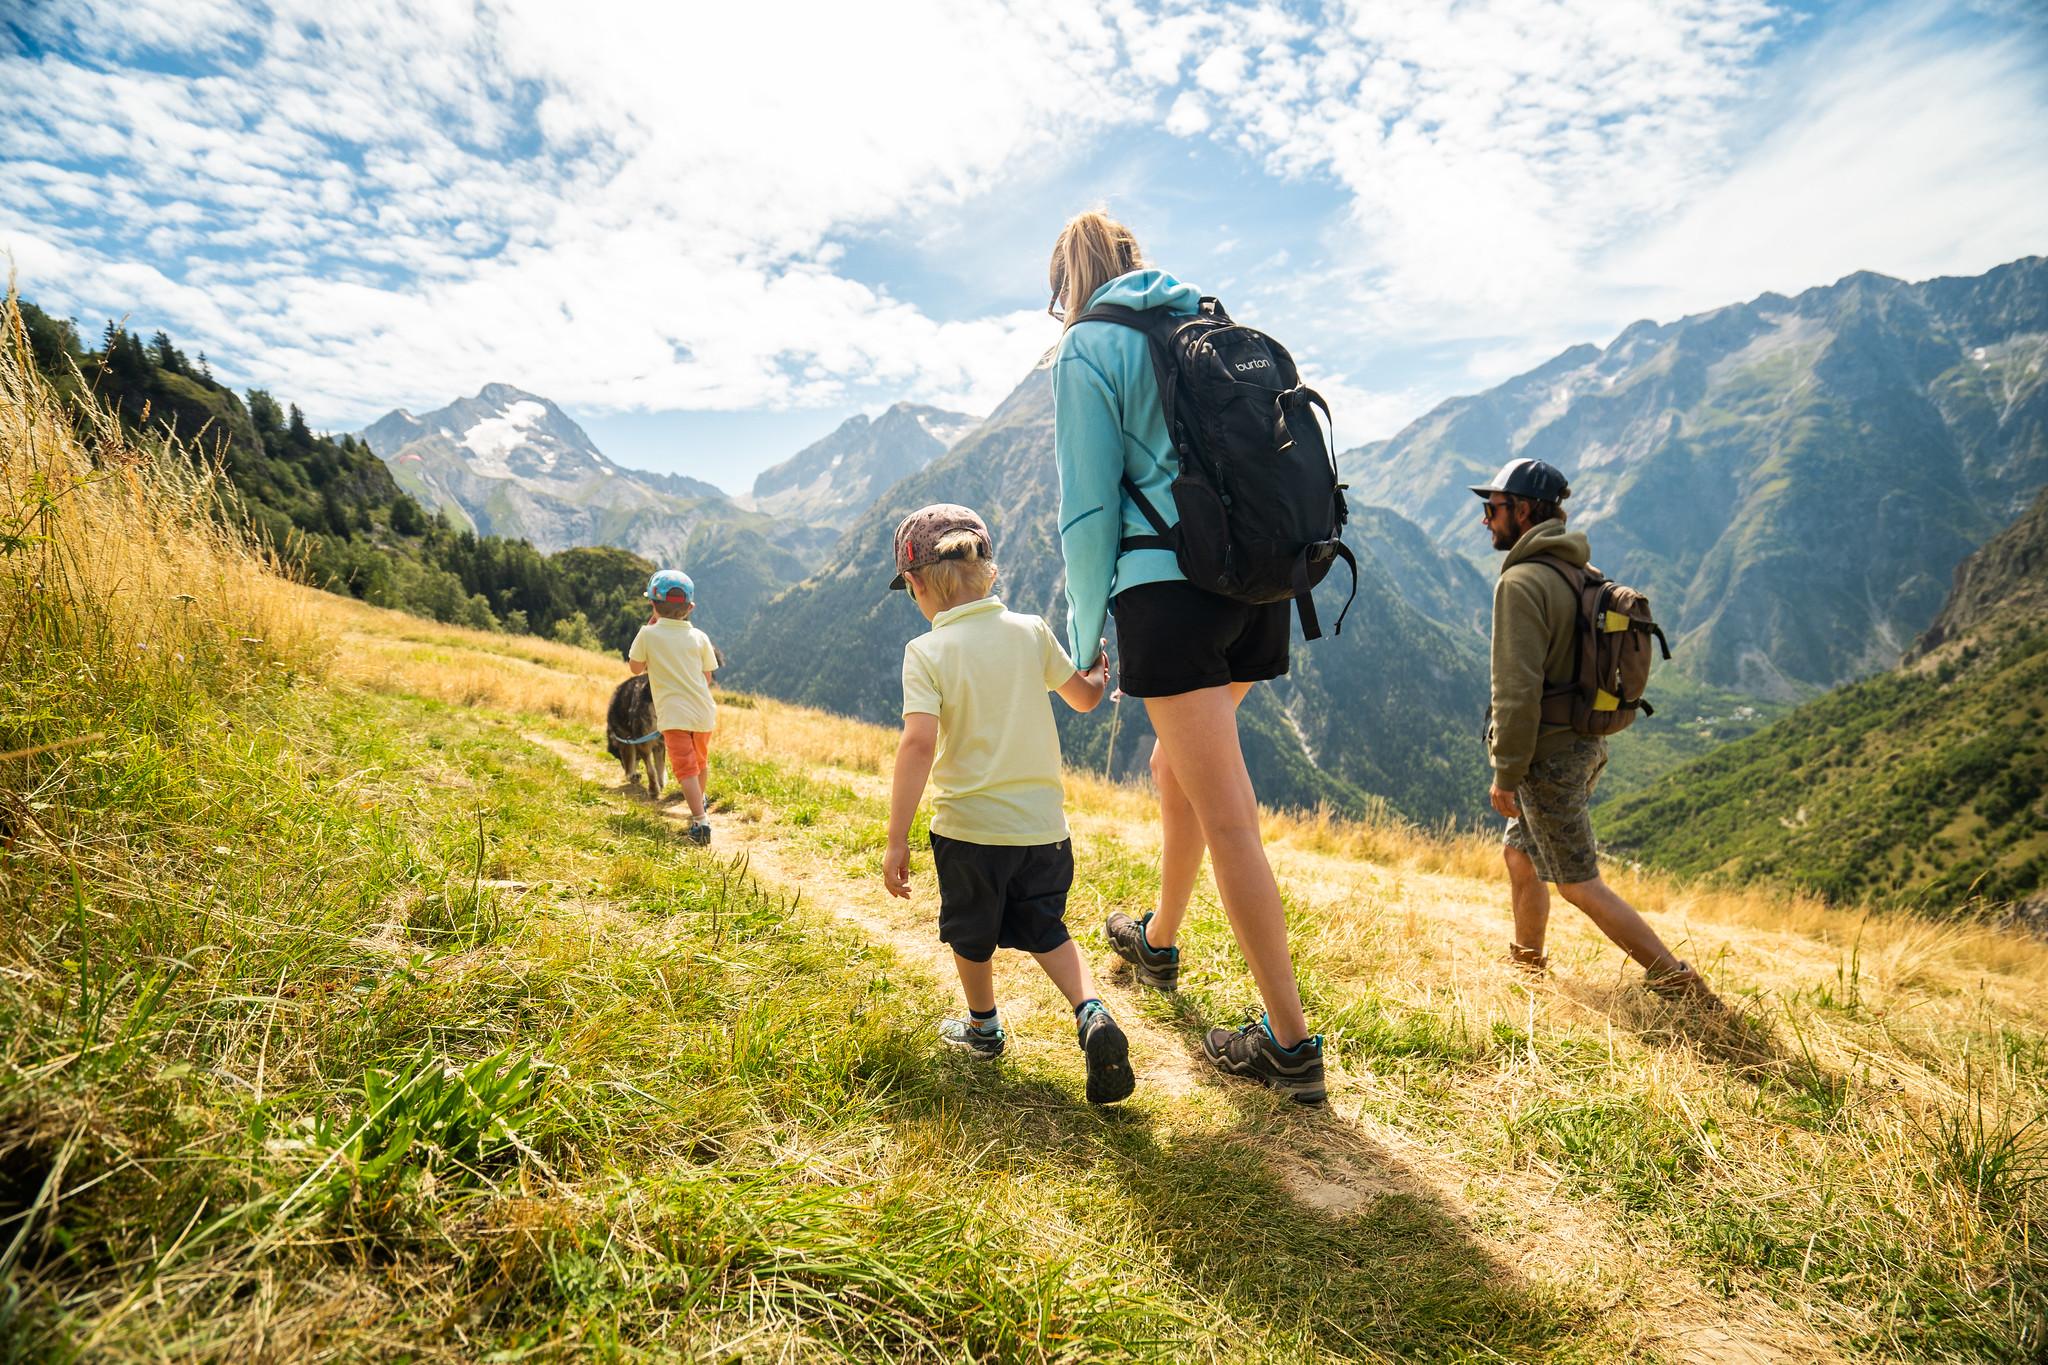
[(1535, 618)]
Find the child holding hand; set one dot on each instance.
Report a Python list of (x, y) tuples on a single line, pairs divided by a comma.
[(978, 725)]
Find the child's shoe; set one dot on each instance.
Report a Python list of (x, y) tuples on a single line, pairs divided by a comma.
[(1158, 968), (700, 834), (969, 1036), (1108, 1053), (1253, 1053)]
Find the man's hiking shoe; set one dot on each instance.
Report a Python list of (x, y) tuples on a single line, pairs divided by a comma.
[(1684, 984), (1530, 960), (1109, 1056), (1158, 968), (1253, 1053), (963, 1034), (700, 834)]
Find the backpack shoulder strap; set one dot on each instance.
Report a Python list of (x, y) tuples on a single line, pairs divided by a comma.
[(1153, 324)]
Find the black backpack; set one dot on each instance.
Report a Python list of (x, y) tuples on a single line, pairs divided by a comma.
[(1260, 506)]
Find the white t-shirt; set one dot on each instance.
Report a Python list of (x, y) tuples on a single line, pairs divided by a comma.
[(678, 655), (986, 674)]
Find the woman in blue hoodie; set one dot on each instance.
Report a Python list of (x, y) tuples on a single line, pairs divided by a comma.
[(1190, 654)]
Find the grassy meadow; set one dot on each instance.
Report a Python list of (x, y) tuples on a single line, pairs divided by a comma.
[(349, 1009)]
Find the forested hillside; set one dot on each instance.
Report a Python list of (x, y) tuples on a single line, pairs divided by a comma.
[(1927, 784), (329, 506)]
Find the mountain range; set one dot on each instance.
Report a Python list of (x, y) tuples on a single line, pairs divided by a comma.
[(1388, 712), (510, 463), (836, 478), (1792, 480)]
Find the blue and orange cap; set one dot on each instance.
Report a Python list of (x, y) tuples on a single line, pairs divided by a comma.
[(669, 584)]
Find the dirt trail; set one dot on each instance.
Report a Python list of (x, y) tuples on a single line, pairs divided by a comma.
[(1336, 1161)]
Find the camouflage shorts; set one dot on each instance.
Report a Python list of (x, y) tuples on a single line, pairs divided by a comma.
[(1555, 828)]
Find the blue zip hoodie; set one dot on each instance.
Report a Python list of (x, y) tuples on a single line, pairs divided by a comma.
[(1107, 423)]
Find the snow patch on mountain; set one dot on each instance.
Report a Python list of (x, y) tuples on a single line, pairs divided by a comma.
[(494, 438)]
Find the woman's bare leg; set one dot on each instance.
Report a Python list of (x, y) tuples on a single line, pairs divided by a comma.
[(1198, 732), (1180, 844)]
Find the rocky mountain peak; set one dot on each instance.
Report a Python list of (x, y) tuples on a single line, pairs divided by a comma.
[(836, 477)]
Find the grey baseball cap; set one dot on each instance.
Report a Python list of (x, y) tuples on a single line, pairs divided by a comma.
[(919, 534), (1527, 479)]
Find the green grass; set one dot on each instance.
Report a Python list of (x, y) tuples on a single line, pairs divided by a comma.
[(327, 997)]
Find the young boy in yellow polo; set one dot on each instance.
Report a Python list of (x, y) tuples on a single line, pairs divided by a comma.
[(978, 725), (679, 661)]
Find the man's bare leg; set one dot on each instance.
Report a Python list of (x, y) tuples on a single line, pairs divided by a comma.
[(1617, 919), (1531, 898)]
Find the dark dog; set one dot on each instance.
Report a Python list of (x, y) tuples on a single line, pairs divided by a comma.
[(632, 735)]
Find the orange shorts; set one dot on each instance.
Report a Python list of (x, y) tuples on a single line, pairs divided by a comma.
[(689, 752)]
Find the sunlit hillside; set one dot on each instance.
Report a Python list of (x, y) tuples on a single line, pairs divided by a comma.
[(350, 1007)]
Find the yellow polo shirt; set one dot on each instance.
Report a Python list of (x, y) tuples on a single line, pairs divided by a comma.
[(986, 673), (678, 655)]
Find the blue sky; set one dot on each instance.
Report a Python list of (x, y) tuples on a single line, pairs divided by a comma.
[(712, 232)]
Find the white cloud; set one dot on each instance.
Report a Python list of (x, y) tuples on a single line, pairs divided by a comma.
[(1187, 116), (641, 206), (402, 201), (1910, 157)]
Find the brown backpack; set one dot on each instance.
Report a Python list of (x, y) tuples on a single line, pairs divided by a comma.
[(1612, 665)]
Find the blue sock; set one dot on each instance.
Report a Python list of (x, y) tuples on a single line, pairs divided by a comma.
[(1145, 936), (985, 1020), (1266, 1023), (1081, 1010)]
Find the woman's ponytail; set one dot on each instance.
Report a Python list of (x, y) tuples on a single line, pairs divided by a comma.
[(1093, 249)]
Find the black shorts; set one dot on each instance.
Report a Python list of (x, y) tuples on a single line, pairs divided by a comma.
[(1002, 896), (1174, 637)]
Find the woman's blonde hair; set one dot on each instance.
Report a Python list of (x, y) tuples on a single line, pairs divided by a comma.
[(1093, 249), (959, 573)]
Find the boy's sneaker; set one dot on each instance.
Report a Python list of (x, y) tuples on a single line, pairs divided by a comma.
[(700, 834), (1158, 968), (1109, 1056), (968, 1037), (1253, 1053)]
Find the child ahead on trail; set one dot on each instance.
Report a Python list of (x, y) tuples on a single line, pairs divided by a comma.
[(1191, 655), (679, 660), (978, 724), (1544, 767)]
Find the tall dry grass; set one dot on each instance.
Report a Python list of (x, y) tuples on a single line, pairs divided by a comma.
[(120, 576)]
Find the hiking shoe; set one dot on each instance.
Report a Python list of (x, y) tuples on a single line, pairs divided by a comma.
[(1109, 1056), (700, 834), (1530, 960), (1158, 968), (1683, 983), (1252, 1052), (963, 1034)]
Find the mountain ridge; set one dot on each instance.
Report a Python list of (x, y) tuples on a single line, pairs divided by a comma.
[(1792, 478), (1341, 730), (837, 477), (511, 463)]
